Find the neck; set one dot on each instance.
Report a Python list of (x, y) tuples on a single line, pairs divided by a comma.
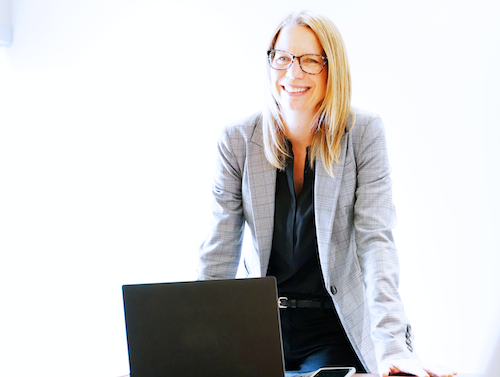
[(298, 127)]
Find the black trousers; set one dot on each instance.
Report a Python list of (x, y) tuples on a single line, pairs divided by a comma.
[(315, 338)]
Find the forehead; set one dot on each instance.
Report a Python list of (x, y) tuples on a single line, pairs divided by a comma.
[(298, 40)]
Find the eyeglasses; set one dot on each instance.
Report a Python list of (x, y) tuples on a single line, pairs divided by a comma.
[(309, 63)]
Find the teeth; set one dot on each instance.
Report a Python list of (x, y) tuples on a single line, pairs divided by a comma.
[(295, 90)]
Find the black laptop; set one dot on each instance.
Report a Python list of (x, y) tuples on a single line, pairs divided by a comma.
[(223, 328)]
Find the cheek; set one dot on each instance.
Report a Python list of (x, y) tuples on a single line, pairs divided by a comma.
[(275, 77)]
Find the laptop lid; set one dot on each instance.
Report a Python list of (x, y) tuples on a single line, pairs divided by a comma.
[(205, 328)]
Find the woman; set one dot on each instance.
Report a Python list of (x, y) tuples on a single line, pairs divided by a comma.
[(310, 176)]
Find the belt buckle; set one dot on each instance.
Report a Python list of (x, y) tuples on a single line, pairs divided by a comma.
[(280, 304)]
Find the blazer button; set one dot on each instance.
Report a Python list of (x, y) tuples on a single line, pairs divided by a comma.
[(333, 289)]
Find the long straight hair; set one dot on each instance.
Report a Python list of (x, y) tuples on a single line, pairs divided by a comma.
[(330, 121)]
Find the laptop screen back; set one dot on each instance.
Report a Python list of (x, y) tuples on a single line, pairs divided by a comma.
[(204, 328)]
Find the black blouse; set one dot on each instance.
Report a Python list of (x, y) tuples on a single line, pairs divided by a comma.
[(294, 256)]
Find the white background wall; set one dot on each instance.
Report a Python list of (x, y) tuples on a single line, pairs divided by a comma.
[(109, 113)]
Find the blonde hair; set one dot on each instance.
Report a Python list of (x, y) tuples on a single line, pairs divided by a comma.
[(330, 121)]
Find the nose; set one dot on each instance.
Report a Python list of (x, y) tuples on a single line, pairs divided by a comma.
[(294, 71)]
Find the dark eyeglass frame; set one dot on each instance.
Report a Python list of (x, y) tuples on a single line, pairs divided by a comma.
[(325, 60)]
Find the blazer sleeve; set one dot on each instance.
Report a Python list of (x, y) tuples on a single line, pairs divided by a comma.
[(374, 219), (219, 254)]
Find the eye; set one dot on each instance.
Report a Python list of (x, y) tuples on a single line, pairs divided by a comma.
[(282, 59), (312, 60)]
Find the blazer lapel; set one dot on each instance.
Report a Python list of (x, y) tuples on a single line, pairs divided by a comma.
[(326, 192), (262, 184)]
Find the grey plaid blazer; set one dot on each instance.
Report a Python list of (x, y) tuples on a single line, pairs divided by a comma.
[(354, 220)]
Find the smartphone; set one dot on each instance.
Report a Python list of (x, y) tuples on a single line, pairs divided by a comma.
[(334, 372)]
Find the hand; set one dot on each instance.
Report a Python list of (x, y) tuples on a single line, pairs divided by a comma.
[(414, 367)]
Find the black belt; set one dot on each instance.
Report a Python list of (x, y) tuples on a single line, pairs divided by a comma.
[(293, 303)]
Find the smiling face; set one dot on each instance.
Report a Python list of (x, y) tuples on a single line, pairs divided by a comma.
[(299, 91)]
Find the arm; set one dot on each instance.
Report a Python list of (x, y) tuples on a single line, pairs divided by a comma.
[(220, 252), (374, 219)]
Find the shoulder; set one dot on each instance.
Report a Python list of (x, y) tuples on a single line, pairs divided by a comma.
[(244, 129), (236, 138), (365, 120), (367, 127)]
